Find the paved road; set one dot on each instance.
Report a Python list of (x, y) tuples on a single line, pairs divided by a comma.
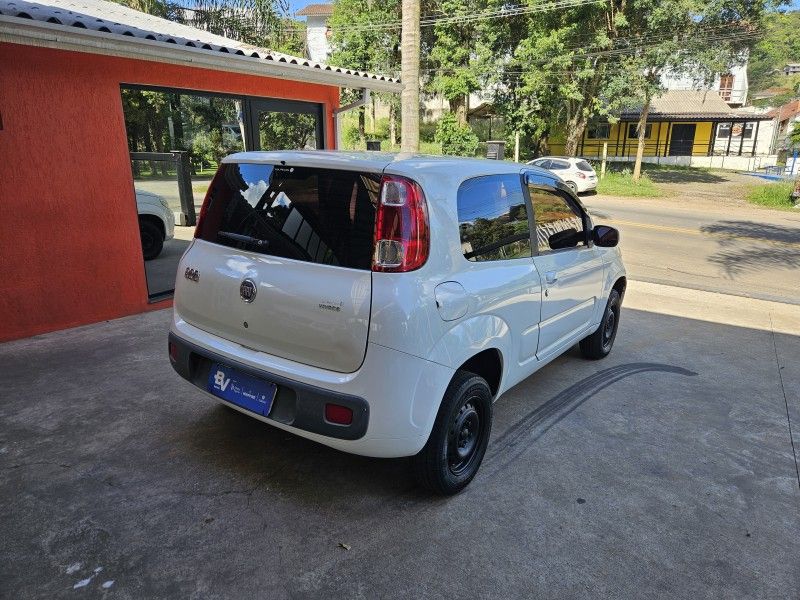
[(723, 248)]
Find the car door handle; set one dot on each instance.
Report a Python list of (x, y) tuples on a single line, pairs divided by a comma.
[(551, 277)]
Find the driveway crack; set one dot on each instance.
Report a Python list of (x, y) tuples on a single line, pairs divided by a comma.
[(785, 400)]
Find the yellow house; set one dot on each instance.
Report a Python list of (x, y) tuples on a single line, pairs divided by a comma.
[(680, 123)]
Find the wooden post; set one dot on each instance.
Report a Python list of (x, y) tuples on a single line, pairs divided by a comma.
[(516, 146), (603, 164)]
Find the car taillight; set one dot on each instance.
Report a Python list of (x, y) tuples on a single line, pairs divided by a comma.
[(401, 227), (581, 175)]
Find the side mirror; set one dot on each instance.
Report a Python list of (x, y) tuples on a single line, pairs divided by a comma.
[(605, 236), (568, 238)]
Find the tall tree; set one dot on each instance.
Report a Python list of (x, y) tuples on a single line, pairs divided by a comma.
[(561, 62), (691, 38), (454, 74), (410, 51), (357, 43)]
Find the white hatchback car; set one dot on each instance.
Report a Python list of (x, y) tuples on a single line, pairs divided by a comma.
[(156, 222), (577, 173), (380, 303)]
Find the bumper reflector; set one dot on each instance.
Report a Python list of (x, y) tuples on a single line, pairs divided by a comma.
[(341, 415)]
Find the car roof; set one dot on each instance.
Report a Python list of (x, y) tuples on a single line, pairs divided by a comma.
[(395, 163)]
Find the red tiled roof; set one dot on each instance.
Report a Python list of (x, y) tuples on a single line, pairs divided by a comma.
[(787, 111), (316, 10)]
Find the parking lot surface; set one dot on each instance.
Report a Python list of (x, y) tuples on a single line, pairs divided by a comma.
[(666, 470)]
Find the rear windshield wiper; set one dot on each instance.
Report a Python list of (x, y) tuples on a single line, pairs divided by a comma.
[(246, 239)]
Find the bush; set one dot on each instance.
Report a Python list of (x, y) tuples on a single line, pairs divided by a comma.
[(456, 139), (351, 136), (381, 129), (427, 132)]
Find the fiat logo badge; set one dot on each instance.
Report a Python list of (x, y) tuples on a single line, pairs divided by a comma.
[(247, 290)]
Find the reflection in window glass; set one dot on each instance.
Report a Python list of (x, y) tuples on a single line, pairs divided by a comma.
[(315, 215), (493, 219), (208, 128), (553, 214)]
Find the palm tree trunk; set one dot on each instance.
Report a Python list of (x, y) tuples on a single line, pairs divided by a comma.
[(409, 44)]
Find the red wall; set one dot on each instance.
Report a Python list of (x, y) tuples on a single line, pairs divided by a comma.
[(69, 238)]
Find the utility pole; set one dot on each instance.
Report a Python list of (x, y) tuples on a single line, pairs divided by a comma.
[(409, 74)]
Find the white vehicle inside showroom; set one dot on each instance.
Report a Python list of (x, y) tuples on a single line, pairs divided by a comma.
[(379, 304)]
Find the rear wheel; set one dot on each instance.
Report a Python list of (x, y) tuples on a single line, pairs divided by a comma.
[(152, 239), (457, 444), (599, 344), (573, 186)]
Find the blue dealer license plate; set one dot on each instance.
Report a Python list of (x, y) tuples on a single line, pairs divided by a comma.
[(243, 390)]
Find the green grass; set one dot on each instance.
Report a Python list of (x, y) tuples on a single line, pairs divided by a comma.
[(772, 195), (620, 183)]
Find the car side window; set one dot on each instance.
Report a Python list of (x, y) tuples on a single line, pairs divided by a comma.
[(558, 165), (544, 163), (558, 223), (493, 218)]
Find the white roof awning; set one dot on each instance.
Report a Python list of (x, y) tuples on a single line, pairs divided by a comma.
[(100, 27)]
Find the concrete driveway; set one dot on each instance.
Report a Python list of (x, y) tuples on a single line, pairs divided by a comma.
[(666, 470)]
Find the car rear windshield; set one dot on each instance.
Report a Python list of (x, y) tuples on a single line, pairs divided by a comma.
[(317, 215), (584, 166)]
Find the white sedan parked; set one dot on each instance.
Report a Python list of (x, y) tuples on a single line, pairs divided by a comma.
[(577, 173), (156, 222)]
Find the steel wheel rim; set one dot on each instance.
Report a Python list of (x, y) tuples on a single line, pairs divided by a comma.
[(464, 437), (609, 326)]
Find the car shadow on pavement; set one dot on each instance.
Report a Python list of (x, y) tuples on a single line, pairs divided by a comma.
[(771, 246)]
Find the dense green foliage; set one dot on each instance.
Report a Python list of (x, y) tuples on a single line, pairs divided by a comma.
[(780, 45), (358, 46), (794, 136), (456, 138), (263, 23)]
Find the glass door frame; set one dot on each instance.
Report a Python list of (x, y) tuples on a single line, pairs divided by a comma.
[(253, 106)]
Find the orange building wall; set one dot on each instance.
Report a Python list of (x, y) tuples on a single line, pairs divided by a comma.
[(70, 252)]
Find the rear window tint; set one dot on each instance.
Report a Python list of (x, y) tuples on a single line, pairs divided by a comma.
[(584, 166), (316, 215)]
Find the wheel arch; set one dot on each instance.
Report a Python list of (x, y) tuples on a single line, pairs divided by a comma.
[(620, 285), (156, 220), (487, 364)]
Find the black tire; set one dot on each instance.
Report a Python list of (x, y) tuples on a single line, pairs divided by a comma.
[(599, 344), (457, 444), (573, 186), (152, 239)]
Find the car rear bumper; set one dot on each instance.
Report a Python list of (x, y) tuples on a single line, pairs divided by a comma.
[(394, 396), (296, 404)]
